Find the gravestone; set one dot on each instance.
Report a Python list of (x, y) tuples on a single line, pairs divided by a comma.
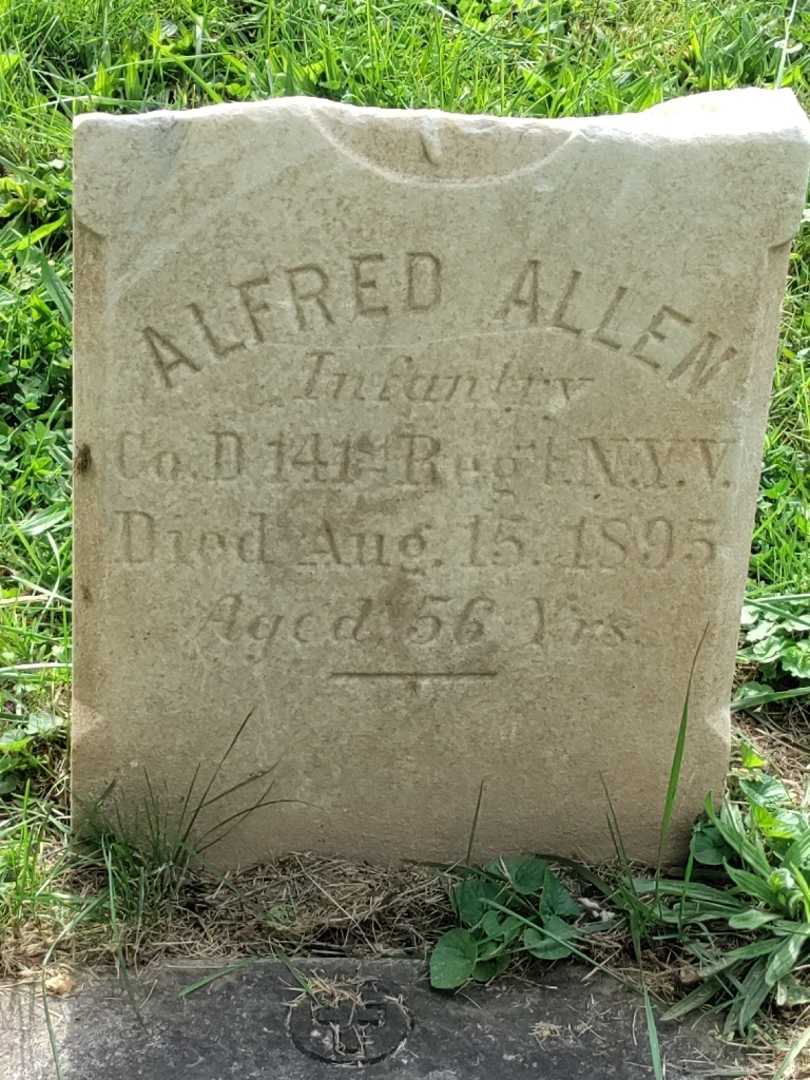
[(428, 445)]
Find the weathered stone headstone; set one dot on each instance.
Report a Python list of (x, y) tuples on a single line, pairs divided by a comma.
[(432, 442)]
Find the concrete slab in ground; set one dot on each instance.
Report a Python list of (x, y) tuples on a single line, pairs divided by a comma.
[(257, 1023)]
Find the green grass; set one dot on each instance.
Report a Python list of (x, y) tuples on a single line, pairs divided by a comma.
[(530, 57), (505, 57)]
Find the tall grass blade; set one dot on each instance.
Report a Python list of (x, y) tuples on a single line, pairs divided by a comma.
[(474, 827), (636, 909), (783, 53), (239, 816), (677, 757), (652, 1037), (206, 980), (120, 960), (786, 1071), (201, 802)]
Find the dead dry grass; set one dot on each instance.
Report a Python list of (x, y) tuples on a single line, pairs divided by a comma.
[(298, 904), (782, 737)]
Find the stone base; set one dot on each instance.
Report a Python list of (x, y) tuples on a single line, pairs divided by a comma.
[(312, 1018)]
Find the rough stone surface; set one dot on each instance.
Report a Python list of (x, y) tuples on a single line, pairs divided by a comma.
[(242, 1025), (433, 442)]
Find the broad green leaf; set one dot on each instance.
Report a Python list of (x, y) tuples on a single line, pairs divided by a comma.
[(733, 830), (43, 521), (708, 846), (760, 630), (491, 924), (751, 919), (506, 867), (784, 959), (43, 723), (523, 872), (785, 927), (750, 759), (691, 890), (8, 61), (550, 943), (693, 1000), (500, 927), (511, 928), (556, 899), (12, 742), (765, 791), (485, 970), (796, 659), (753, 885), (744, 952), (753, 992), (749, 615), (782, 880), (469, 898), (529, 875), (36, 235), (790, 992), (10, 781), (767, 650), (453, 960), (779, 823), (685, 913), (490, 948), (798, 854)]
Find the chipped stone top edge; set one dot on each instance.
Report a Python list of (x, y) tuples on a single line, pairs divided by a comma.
[(732, 114)]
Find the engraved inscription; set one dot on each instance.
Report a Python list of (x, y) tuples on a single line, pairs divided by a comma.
[(669, 342), (613, 542), (419, 459), (408, 550), (403, 379), (428, 622), (145, 539), (603, 542), (308, 298), (423, 551), (592, 542), (298, 298)]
